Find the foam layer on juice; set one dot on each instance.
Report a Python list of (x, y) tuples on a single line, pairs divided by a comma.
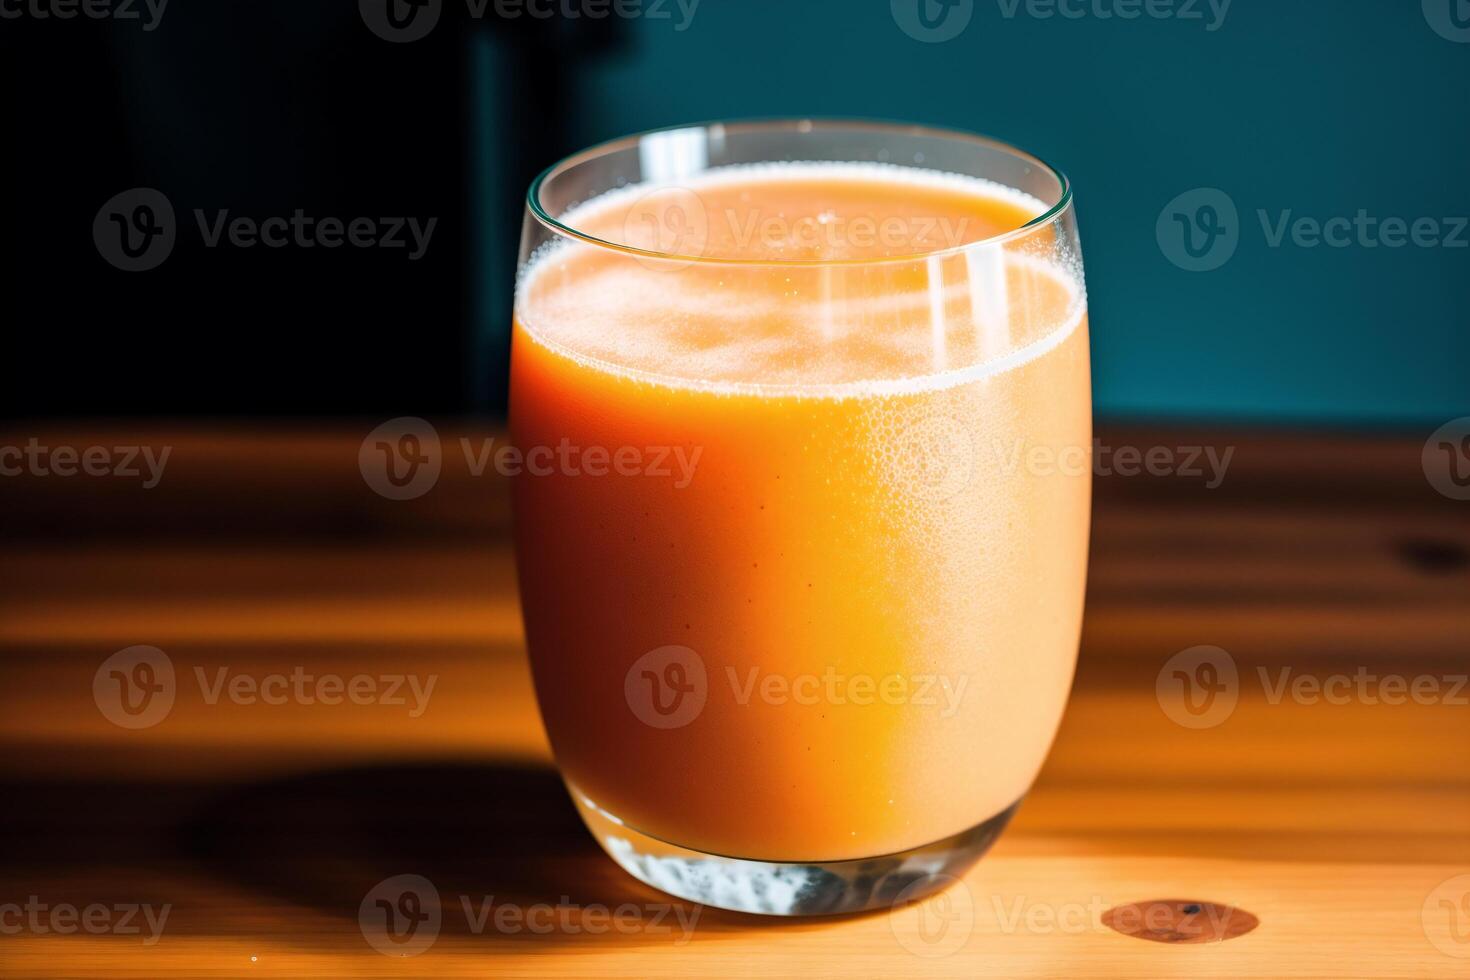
[(812, 279)]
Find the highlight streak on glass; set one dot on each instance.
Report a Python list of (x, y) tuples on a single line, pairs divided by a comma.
[(673, 155), (829, 331), (936, 311), (989, 302)]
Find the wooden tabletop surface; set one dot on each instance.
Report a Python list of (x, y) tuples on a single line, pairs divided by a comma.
[(1337, 815)]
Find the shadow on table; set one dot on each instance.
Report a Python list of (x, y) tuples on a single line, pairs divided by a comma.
[(311, 850), (484, 835)]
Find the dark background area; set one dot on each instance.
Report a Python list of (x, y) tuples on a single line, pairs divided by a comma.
[(1317, 107)]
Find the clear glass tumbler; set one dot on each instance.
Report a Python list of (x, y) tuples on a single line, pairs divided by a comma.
[(804, 413)]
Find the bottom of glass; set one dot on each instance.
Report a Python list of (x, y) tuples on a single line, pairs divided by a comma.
[(790, 888)]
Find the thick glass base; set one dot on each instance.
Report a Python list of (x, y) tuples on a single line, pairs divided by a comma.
[(789, 888)]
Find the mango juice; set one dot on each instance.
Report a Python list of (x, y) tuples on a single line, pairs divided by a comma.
[(803, 548)]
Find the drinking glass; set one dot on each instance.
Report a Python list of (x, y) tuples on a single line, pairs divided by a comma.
[(804, 420)]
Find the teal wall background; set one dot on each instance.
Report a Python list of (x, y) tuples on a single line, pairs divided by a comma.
[(1317, 107)]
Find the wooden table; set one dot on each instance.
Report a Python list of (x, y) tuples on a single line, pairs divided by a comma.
[(1341, 826)]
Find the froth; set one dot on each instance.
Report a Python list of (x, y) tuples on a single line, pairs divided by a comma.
[(855, 329)]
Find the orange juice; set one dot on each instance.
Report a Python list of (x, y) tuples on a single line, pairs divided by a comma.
[(802, 562)]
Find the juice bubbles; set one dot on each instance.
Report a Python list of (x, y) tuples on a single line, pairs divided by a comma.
[(802, 537)]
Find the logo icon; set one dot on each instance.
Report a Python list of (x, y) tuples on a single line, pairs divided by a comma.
[(671, 221), (1446, 917), (134, 688), (934, 458), (401, 916), (1199, 230), (1446, 459), (1198, 687), (937, 925), (1450, 19), (667, 687), (401, 458), (135, 230), (400, 21), (932, 21)]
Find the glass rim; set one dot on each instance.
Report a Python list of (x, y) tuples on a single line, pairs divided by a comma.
[(800, 125)]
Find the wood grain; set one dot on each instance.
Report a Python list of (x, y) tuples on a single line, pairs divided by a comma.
[(263, 827)]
